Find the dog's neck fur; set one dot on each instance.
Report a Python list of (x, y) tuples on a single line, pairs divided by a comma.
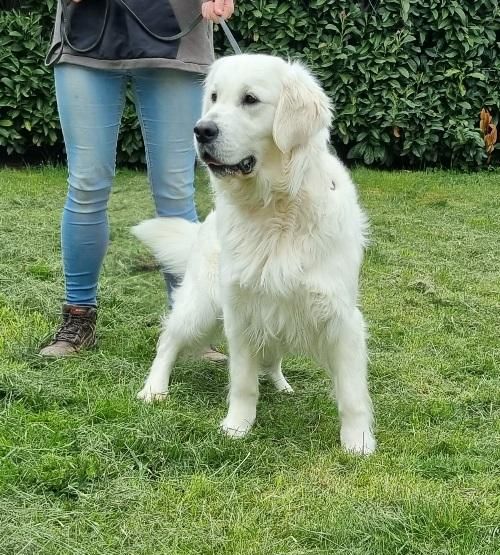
[(284, 181), (277, 213)]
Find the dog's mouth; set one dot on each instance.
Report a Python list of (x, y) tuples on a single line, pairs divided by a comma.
[(243, 167)]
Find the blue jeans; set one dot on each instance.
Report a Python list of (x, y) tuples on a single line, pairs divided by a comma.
[(90, 104)]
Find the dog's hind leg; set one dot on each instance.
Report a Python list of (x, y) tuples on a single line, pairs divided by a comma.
[(271, 368), (348, 365), (190, 325)]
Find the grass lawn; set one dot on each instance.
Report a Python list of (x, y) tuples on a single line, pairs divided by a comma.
[(87, 469)]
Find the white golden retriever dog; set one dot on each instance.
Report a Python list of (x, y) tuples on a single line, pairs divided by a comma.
[(279, 258)]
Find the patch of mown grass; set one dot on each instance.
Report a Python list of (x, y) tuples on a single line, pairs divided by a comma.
[(87, 469)]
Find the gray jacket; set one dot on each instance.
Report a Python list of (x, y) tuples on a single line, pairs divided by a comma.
[(125, 44)]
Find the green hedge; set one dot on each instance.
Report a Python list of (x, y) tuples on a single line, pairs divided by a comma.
[(408, 78), (29, 124)]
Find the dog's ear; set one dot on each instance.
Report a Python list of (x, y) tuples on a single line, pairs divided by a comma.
[(303, 109)]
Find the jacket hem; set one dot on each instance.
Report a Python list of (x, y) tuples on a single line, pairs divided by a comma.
[(136, 63)]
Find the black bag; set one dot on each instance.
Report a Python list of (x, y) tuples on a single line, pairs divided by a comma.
[(112, 30)]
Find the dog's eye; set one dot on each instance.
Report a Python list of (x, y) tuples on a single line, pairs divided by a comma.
[(214, 97), (250, 99)]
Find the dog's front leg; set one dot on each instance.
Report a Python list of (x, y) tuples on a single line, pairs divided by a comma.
[(243, 378), (348, 365), (156, 386)]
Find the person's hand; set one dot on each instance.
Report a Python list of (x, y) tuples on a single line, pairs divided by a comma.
[(213, 9)]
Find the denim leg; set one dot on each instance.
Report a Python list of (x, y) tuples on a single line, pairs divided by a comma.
[(168, 102), (171, 282), (90, 104)]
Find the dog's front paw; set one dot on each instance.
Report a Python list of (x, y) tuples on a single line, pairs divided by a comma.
[(235, 429), (149, 395), (359, 441)]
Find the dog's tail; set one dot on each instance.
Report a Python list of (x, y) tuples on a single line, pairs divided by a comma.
[(170, 239)]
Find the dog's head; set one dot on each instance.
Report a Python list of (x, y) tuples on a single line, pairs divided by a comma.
[(257, 108)]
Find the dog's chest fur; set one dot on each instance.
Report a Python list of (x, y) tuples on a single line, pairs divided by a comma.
[(268, 249), (296, 323), (270, 259)]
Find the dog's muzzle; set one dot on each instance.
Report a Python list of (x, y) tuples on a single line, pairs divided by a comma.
[(206, 132), (243, 167)]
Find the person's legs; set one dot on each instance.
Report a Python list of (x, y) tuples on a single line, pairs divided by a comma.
[(168, 103), (90, 104)]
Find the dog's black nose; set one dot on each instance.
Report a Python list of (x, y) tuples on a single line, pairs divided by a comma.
[(206, 131)]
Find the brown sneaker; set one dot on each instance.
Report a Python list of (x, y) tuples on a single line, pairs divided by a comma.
[(76, 332)]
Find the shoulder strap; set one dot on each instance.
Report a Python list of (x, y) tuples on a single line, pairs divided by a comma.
[(55, 52)]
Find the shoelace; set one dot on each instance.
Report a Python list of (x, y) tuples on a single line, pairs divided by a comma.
[(71, 328)]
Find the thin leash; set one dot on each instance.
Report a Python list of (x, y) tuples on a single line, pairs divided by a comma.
[(55, 53), (230, 36)]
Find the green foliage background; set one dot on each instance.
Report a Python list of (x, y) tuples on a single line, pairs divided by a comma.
[(407, 78)]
